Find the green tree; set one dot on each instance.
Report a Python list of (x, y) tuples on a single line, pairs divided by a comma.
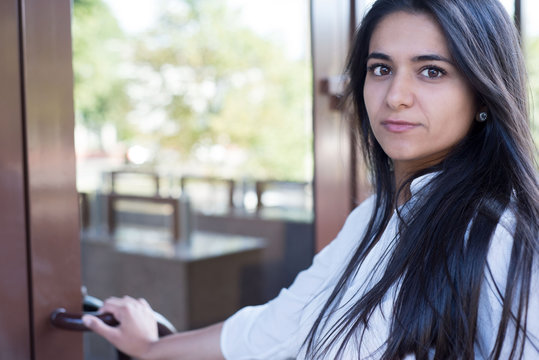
[(221, 83), (98, 45)]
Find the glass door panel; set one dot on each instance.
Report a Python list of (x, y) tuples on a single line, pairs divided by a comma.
[(194, 153)]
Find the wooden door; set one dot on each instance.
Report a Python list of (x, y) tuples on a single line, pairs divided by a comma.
[(14, 313), (40, 250), (335, 190), (39, 247)]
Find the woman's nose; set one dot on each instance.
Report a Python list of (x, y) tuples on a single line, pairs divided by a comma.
[(400, 92)]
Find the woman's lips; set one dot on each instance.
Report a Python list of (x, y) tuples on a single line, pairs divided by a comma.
[(398, 126)]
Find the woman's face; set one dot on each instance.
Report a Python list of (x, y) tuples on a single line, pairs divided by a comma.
[(419, 105)]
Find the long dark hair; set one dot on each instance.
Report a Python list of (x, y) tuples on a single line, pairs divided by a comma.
[(440, 254)]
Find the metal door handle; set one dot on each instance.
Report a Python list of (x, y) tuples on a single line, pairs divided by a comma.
[(60, 318)]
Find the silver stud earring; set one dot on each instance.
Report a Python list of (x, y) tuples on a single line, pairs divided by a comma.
[(483, 116)]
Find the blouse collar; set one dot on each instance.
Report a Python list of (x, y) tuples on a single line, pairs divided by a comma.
[(421, 182)]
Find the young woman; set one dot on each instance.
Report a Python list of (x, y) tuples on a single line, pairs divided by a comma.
[(442, 261)]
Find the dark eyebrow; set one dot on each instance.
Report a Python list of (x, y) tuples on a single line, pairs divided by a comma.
[(432, 57), (380, 56), (419, 58)]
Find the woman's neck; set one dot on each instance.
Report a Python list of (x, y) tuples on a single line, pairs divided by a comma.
[(401, 173), (403, 169)]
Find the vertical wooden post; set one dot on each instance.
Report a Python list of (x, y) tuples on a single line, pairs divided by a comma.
[(52, 204), (15, 329), (333, 182)]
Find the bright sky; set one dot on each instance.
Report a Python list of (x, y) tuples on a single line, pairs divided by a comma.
[(263, 16), (133, 16), (286, 19), (267, 16)]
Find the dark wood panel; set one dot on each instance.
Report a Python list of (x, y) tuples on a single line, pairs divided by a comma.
[(14, 311), (52, 196), (333, 189)]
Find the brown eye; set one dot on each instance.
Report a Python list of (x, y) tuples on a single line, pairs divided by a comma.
[(432, 72), (381, 70)]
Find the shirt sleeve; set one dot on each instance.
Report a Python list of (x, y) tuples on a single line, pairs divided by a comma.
[(490, 306), (272, 331)]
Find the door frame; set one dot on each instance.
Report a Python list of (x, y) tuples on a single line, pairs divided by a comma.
[(40, 247), (339, 182), (15, 334)]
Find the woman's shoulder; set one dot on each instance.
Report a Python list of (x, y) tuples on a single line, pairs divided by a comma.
[(358, 219), (365, 208), (502, 238), (494, 287), (353, 229), (506, 224)]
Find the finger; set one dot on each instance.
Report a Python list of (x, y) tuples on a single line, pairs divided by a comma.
[(113, 298), (124, 307), (119, 303), (114, 301), (128, 300), (145, 303), (114, 309), (112, 304), (99, 327)]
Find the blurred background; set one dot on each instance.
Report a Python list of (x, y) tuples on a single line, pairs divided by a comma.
[(194, 144)]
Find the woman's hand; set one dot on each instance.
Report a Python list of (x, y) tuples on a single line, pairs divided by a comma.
[(137, 329)]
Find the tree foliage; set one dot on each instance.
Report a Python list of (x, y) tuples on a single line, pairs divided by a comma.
[(100, 91), (198, 82), (223, 84)]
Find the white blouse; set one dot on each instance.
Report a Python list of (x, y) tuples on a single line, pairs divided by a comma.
[(276, 330)]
